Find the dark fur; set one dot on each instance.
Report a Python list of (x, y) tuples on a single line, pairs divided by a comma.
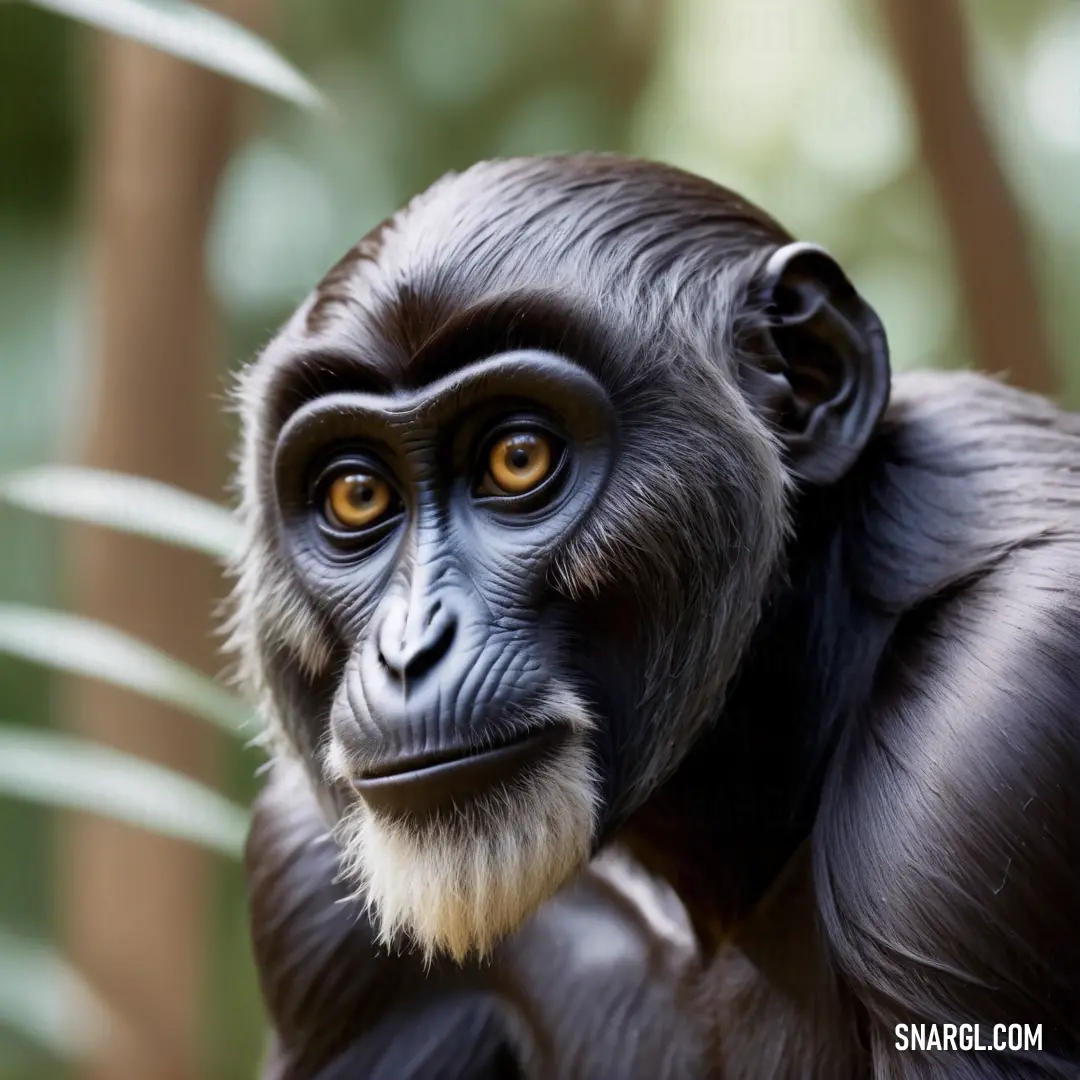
[(869, 692), (923, 655)]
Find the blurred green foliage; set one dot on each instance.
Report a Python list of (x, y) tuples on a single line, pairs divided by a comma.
[(796, 103), (39, 122)]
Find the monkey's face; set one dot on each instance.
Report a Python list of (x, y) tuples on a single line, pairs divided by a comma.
[(511, 510), (426, 523)]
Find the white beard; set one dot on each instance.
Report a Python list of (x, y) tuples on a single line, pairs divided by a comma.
[(458, 885)]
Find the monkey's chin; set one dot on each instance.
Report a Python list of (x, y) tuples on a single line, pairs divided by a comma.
[(458, 884)]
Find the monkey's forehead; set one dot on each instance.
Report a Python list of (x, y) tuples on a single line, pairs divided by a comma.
[(532, 247)]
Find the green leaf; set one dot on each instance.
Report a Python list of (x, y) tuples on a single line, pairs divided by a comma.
[(85, 647), (71, 773), (44, 999), (193, 33), (128, 503)]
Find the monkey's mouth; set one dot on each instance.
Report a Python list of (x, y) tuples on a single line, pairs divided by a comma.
[(419, 786)]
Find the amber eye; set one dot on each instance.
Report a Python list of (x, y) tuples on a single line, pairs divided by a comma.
[(519, 462), (357, 500)]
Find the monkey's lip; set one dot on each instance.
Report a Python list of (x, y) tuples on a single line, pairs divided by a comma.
[(420, 785)]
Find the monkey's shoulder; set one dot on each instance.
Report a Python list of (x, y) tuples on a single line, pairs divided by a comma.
[(970, 487), (963, 424), (979, 490)]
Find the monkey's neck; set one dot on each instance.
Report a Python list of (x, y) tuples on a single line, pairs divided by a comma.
[(719, 877), (721, 834), (723, 828)]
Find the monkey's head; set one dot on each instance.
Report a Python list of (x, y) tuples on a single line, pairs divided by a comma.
[(515, 481)]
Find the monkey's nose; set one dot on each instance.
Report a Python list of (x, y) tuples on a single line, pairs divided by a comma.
[(410, 646)]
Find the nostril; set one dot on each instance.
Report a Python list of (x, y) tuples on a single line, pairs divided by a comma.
[(432, 648), (433, 612)]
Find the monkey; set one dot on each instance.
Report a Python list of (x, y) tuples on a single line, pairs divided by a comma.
[(582, 508)]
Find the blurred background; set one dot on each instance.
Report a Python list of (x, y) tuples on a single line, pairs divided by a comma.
[(158, 221)]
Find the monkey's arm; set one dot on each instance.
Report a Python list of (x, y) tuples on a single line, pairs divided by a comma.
[(341, 1007), (948, 850)]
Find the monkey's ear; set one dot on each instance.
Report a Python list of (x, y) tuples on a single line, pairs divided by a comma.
[(823, 380)]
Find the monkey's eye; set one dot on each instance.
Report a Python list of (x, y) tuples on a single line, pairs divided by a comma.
[(357, 500), (518, 463)]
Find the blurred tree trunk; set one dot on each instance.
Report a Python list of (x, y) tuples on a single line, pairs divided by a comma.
[(993, 266), (134, 907)]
